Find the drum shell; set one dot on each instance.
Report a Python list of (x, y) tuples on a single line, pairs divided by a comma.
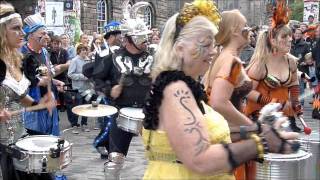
[(129, 124), (280, 169), (311, 170), (33, 162)]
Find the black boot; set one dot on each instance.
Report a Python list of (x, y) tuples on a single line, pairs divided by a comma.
[(293, 125)]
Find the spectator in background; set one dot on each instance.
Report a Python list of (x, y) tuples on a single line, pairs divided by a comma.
[(155, 39), (247, 51), (311, 69), (96, 46), (80, 83), (316, 52), (299, 48), (311, 19), (59, 56), (65, 44), (303, 27), (84, 40)]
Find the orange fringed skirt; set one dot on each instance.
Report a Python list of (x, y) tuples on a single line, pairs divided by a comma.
[(246, 171)]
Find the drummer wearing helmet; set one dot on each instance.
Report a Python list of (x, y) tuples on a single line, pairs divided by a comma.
[(126, 73)]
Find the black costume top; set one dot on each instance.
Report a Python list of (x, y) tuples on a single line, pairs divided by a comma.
[(31, 63), (130, 70), (60, 57)]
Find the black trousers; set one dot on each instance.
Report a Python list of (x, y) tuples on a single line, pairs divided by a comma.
[(10, 173), (119, 140)]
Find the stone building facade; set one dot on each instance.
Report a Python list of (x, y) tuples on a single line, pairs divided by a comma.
[(95, 13), (256, 11), (157, 13)]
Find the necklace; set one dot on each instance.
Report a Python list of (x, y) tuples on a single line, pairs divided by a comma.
[(14, 72)]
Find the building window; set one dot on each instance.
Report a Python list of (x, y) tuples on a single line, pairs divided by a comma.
[(148, 16), (101, 15)]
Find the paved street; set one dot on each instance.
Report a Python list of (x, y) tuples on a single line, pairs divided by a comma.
[(87, 165)]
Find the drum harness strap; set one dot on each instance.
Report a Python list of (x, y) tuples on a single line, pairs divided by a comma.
[(11, 151)]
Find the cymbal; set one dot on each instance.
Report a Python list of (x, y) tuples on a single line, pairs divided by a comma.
[(88, 110)]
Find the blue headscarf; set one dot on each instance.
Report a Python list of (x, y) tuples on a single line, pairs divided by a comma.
[(30, 29)]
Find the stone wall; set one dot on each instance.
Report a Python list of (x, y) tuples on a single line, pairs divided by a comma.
[(26, 8), (88, 16), (254, 10), (114, 11)]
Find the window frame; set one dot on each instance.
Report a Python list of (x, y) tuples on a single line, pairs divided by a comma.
[(102, 8)]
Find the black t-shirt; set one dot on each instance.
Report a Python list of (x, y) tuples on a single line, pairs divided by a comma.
[(130, 70), (59, 57)]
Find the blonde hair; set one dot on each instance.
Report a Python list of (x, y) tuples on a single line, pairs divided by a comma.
[(166, 57), (5, 51), (229, 21), (263, 46)]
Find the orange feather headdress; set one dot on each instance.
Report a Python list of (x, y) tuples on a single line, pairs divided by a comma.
[(280, 15)]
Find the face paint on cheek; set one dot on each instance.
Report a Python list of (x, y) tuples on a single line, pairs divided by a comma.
[(199, 49)]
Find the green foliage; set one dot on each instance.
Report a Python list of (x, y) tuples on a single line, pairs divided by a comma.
[(297, 10)]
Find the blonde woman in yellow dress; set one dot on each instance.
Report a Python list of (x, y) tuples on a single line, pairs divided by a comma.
[(185, 138)]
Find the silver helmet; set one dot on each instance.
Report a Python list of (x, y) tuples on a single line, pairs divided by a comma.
[(132, 25)]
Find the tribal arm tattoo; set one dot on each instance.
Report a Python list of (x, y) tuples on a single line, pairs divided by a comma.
[(192, 125)]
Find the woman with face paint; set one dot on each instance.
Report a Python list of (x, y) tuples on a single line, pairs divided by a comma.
[(226, 82), (183, 136), (13, 90), (274, 71)]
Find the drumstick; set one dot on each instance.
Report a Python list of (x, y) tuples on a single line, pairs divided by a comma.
[(29, 109), (307, 130)]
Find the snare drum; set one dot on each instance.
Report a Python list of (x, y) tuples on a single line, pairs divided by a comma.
[(130, 119), (43, 154), (282, 166)]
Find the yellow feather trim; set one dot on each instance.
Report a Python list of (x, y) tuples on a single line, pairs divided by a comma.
[(205, 8)]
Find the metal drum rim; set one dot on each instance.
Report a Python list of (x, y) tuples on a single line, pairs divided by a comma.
[(38, 152)]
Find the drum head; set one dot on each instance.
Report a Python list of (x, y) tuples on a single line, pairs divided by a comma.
[(135, 113), (287, 157), (39, 143)]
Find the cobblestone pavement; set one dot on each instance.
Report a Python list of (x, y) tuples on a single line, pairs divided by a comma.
[(87, 165)]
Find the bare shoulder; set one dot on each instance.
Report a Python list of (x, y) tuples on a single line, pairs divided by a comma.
[(256, 71), (178, 88), (292, 61)]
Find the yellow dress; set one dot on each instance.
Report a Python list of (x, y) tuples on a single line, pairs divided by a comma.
[(162, 159)]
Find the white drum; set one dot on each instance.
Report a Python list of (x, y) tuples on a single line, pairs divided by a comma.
[(130, 119), (45, 154), (282, 166)]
